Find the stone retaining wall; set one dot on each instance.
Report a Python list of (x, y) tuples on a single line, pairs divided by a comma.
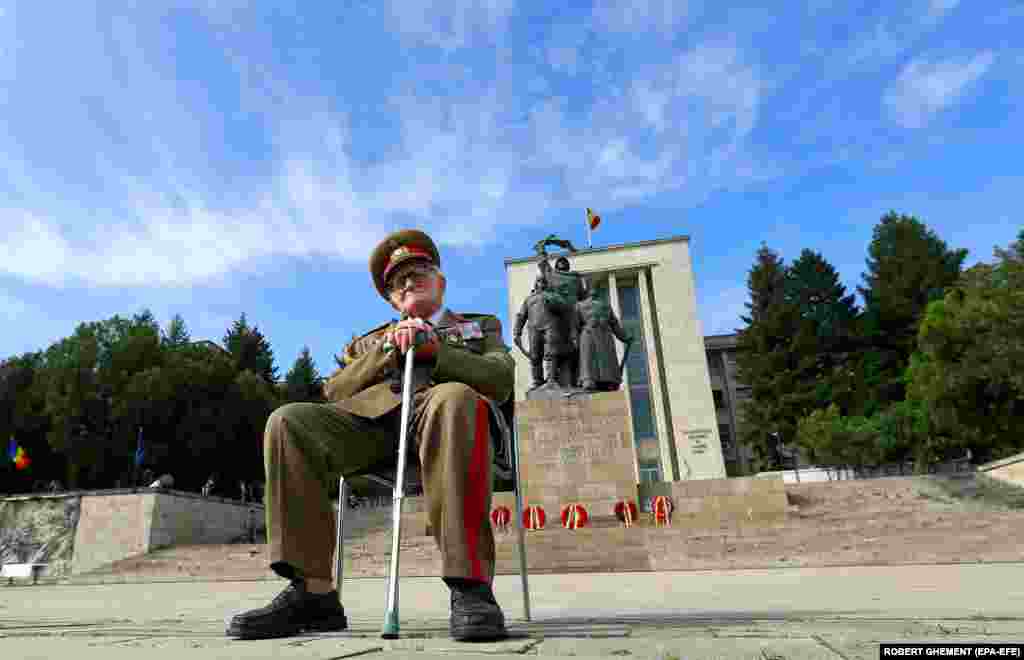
[(1009, 470), (108, 525)]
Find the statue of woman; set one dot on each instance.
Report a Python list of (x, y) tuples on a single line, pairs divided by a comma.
[(599, 368)]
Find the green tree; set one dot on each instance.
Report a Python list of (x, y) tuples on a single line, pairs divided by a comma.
[(250, 350), (23, 416), (1013, 254), (969, 371), (177, 334), (763, 359), (303, 381), (68, 384), (826, 437), (202, 434), (908, 266), (822, 334)]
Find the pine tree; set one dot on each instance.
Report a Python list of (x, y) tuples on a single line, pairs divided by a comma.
[(250, 350), (822, 335), (303, 382), (908, 266), (177, 334), (762, 359)]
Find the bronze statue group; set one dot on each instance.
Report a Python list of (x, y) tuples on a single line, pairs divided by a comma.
[(570, 330)]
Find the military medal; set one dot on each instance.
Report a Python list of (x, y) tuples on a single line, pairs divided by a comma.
[(470, 330)]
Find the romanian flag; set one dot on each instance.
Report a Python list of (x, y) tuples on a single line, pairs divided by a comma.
[(593, 219), (18, 455)]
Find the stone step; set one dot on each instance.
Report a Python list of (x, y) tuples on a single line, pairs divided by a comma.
[(837, 523)]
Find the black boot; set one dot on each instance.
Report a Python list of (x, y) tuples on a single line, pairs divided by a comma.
[(291, 612), (476, 614)]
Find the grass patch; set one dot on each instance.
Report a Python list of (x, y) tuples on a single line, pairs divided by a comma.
[(978, 489)]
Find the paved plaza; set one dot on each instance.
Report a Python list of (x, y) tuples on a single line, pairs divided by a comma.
[(827, 613)]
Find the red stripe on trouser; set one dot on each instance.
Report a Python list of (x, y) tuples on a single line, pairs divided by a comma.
[(476, 490)]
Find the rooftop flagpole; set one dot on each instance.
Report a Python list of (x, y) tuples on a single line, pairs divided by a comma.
[(593, 220)]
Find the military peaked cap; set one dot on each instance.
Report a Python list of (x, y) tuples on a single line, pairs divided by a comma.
[(398, 248)]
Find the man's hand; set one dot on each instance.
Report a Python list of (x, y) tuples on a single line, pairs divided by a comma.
[(404, 336)]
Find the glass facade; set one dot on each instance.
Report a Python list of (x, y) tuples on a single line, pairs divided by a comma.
[(645, 432)]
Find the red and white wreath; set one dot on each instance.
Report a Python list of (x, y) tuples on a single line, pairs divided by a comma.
[(501, 516), (574, 516), (534, 517), (625, 511)]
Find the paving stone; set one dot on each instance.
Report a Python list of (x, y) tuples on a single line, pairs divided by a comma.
[(436, 645), (692, 648)]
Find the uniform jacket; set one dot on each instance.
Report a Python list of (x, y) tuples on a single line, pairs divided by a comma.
[(470, 351)]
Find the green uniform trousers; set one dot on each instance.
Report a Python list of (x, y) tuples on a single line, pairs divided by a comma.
[(308, 445)]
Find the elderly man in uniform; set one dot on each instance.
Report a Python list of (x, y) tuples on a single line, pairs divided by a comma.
[(463, 370)]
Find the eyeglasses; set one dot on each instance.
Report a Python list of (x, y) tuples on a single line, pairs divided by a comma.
[(416, 273)]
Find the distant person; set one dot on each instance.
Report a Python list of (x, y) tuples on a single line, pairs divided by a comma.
[(208, 486), (165, 481)]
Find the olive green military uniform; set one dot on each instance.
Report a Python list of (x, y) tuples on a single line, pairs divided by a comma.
[(308, 445)]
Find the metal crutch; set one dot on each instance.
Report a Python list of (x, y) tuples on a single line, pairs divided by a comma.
[(390, 630), (338, 558), (516, 474)]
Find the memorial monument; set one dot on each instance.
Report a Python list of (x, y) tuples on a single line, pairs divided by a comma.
[(570, 332), (576, 444), (614, 411)]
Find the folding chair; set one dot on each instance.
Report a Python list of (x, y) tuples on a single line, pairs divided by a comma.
[(506, 471)]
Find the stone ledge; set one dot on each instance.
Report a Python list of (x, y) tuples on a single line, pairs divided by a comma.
[(1002, 462), (126, 491)]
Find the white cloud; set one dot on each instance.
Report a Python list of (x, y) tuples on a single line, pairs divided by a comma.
[(640, 17), (463, 165), (450, 25), (938, 9), (925, 88)]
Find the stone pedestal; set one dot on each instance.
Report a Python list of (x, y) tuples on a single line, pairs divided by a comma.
[(576, 450)]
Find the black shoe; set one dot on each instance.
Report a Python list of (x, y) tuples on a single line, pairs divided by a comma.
[(475, 615), (291, 612)]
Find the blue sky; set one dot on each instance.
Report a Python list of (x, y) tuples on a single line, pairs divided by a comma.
[(210, 158)]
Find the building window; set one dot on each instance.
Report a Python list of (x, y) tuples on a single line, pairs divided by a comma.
[(714, 365), (650, 473), (725, 435), (645, 432)]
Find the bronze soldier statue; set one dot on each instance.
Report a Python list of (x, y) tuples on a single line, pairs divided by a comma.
[(550, 343), (599, 370), (463, 373), (551, 314)]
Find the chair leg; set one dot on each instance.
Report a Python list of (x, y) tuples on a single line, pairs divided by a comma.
[(338, 547), (520, 531)]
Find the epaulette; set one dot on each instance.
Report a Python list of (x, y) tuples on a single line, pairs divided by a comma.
[(377, 329), (346, 355)]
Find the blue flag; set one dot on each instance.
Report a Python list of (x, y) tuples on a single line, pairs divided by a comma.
[(140, 453), (12, 449)]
